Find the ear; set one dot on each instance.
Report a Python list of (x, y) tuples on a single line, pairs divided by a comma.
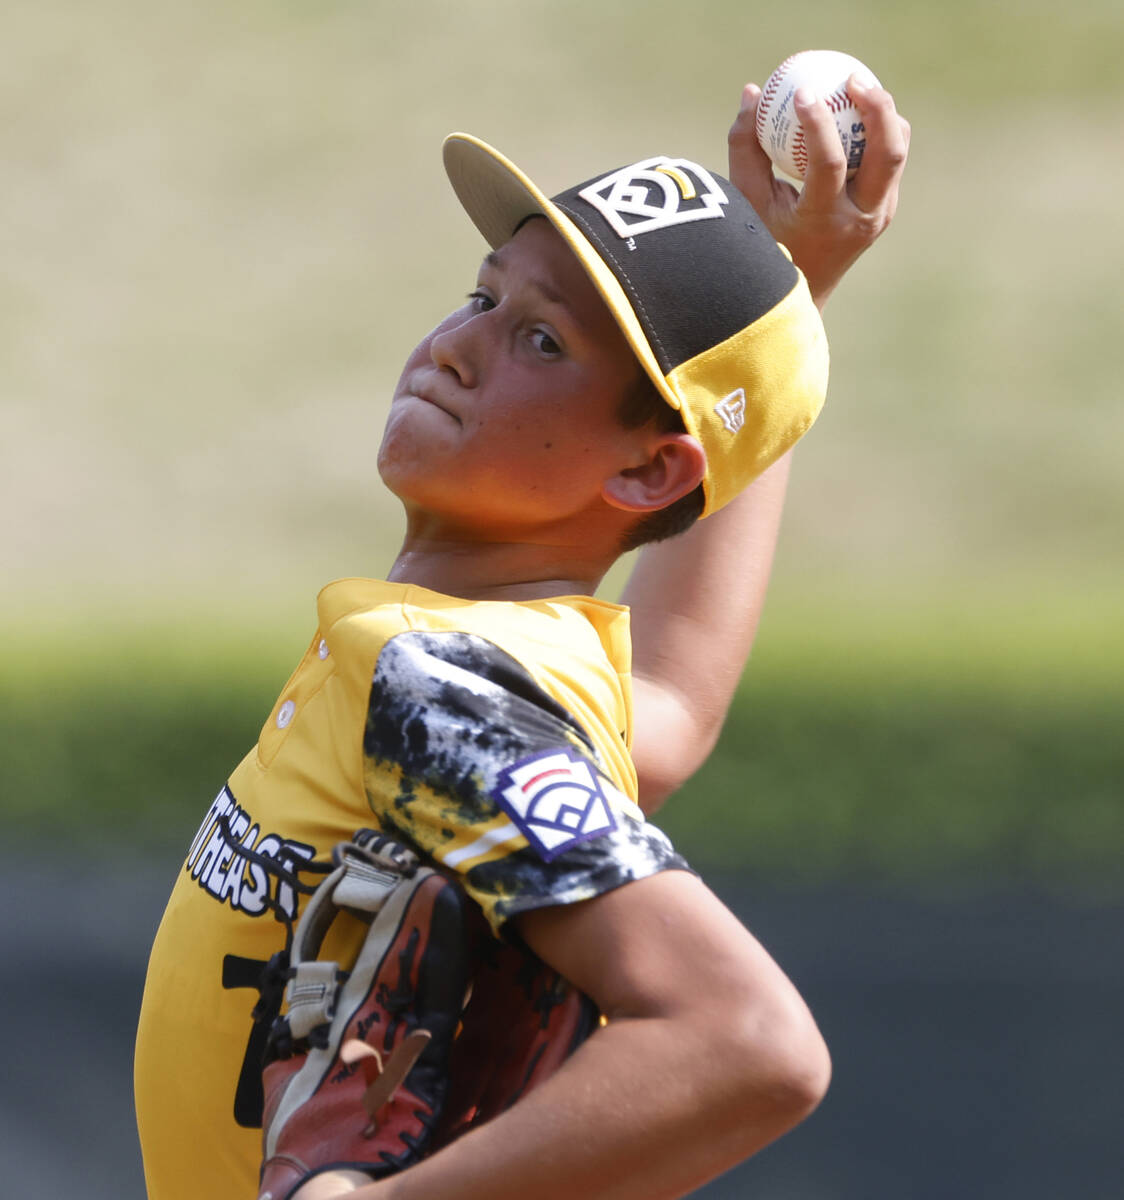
[(675, 466)]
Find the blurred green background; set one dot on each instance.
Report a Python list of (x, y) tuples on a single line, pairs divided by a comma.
[(222, 228)]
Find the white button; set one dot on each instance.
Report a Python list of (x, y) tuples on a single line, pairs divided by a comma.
[(285, 714), (323, 650)]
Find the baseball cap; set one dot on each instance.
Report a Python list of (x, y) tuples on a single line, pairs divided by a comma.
[(715, 310)]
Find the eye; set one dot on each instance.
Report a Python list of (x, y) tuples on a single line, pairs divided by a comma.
[(480, 301), (545, 344)]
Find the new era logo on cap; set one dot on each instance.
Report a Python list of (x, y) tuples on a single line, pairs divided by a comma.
[(557, 800), (731, 409), (654, 194)]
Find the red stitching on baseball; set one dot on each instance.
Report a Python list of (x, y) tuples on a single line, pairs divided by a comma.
[(772, 86), (837, 102), (800, 152)]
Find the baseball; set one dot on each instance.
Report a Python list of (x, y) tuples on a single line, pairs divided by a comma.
[(824, 72)]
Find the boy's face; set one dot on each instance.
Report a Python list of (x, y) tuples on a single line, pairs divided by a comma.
[(505, 416)]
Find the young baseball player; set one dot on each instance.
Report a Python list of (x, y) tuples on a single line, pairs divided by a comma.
[(634, 353)]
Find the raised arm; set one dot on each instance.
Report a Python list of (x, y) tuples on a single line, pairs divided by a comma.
[(697, 599)]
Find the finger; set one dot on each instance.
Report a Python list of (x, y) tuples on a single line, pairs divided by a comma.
[(751, 170), (826, 173), (875, 185)]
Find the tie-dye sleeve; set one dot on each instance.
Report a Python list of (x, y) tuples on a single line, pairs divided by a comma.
[(470, 760)]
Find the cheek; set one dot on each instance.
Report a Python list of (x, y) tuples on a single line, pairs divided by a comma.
[(422, 353), (418, 357)]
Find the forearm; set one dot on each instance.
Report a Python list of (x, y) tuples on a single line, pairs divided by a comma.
[(696, 603), (629, 1117)]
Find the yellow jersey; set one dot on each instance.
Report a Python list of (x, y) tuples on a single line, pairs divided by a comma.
[(491, 736)]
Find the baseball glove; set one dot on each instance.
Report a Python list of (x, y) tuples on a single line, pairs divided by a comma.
[(522, 1022), (436, 1027)]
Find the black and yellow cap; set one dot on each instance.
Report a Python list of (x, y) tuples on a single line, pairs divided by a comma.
[(714, 309)]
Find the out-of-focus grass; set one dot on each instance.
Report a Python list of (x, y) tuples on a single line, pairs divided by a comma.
[(858, 751), (126, 740), (929, 751)]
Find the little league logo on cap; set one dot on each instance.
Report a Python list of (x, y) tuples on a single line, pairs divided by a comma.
[(556, 800), (714, 309), (654, 194)]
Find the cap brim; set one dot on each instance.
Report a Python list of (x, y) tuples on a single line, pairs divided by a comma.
[(498, 197)]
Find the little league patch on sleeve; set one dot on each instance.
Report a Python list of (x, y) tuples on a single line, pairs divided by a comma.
[(557, 800)]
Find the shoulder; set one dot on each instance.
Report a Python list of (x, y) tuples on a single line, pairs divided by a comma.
[(473, 760), (444, 702), (568, 656)]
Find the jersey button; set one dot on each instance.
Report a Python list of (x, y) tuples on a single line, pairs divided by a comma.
[(285, 714), (322, 649)]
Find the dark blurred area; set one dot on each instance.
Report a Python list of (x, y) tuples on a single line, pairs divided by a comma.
[(976, 1044)]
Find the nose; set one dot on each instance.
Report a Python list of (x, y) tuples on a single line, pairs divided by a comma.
[(455, 346)]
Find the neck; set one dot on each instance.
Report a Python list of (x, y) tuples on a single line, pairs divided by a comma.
[(508, 569)]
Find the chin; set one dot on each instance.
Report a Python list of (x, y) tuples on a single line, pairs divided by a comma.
[(411, 482), (393, 478), (393, 466)]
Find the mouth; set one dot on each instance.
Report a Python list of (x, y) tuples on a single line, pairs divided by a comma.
[(419, 391)]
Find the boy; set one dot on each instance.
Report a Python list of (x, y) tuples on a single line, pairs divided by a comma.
[(639, 348)]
